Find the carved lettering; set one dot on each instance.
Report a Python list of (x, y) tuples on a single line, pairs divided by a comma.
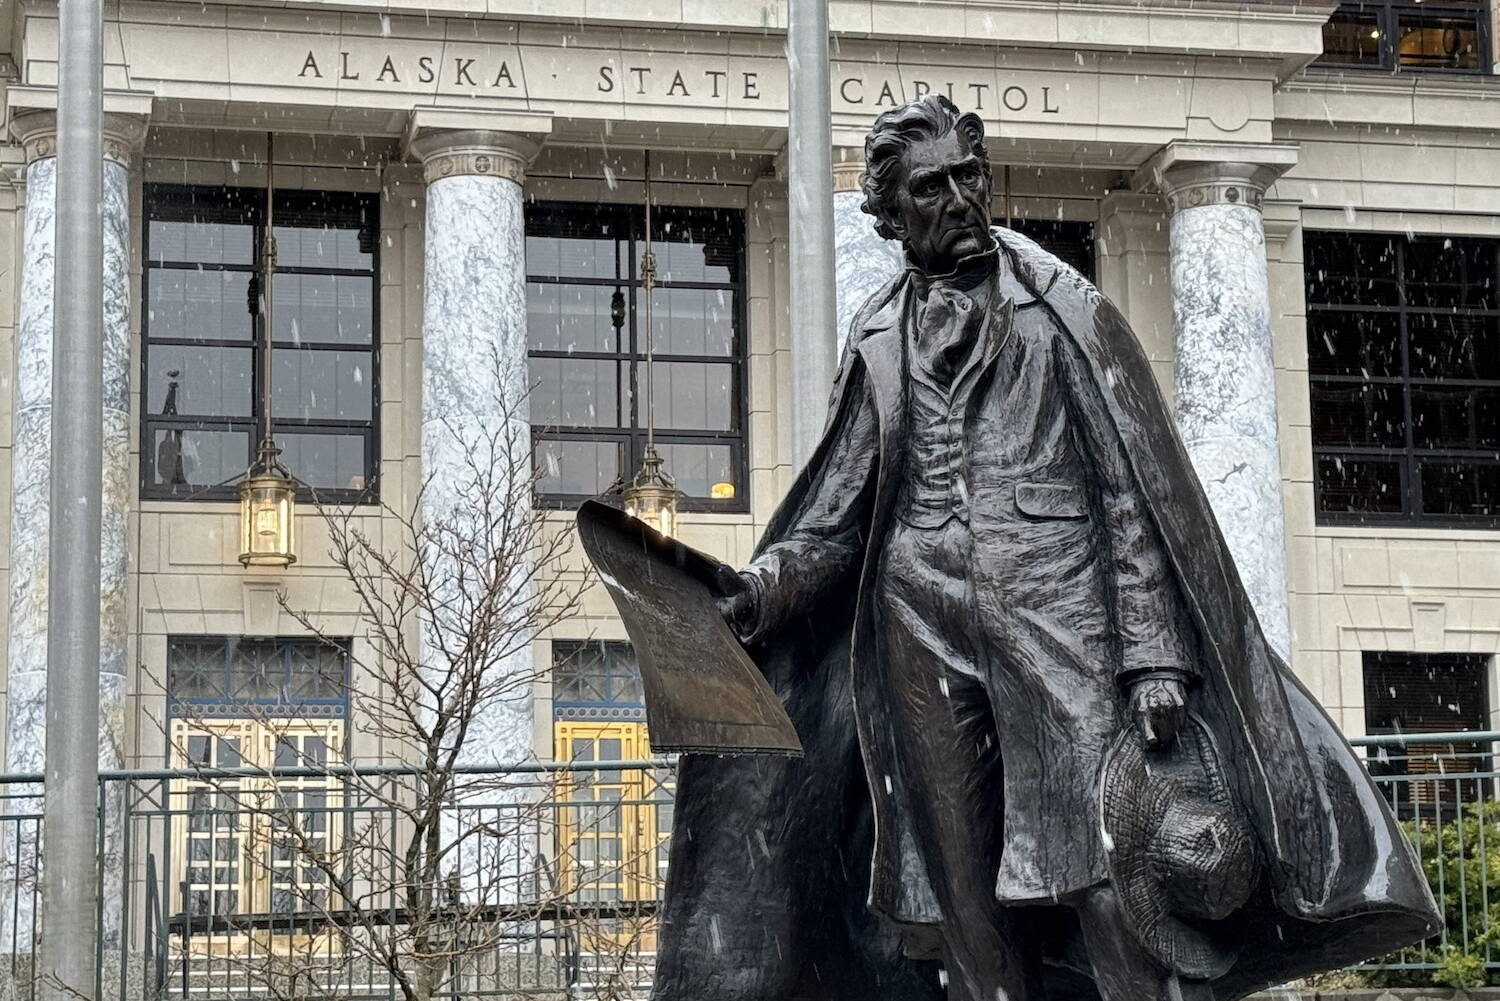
[(853, 90)]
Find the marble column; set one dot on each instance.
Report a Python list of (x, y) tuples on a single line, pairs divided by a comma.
[(474, 413), (863, 260), (25, 737), (1223, 371)]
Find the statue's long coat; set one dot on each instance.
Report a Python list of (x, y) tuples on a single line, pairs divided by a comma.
[(774, 863)]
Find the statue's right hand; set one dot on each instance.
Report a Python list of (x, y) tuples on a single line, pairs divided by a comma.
[(736, 600)]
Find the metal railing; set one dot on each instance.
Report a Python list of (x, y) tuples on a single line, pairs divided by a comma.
[(298, 882), (533, 881)]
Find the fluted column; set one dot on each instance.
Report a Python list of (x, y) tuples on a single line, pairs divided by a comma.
[(863, 260), (1224, 375), (474, 412), (31, 453)]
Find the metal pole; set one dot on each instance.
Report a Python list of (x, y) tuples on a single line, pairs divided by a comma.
[(69, 822), (810, 207)]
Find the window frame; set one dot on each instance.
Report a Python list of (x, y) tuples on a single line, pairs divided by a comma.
[(1387, 14), (249, 205), (1408, 456), (630, 436)]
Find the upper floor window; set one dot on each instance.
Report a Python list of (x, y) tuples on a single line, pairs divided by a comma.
[(1404, 35), (586, 319), (1403, 344), (205, 340)]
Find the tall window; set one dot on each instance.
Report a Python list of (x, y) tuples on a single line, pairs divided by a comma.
[(1450, 35), (585, 318), (204, 340), (1403, 342)]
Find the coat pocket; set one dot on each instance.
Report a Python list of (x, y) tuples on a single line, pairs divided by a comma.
[(1051, 500)]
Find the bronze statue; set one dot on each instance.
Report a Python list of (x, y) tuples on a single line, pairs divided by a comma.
[(1048, 751)]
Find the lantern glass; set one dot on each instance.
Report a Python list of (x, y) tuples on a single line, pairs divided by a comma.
[(268, 521), (654, 505)]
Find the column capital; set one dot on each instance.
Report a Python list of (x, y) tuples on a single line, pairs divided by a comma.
[(33, 122), (484, 144), (1194, 174), (848, 167)]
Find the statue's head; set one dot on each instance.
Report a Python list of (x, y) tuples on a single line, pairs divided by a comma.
[(927, 182)]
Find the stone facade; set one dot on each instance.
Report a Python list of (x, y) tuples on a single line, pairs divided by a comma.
[(422, 105)]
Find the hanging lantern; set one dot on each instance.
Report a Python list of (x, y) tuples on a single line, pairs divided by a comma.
[(652, 496), (268, 493), (268, 516)]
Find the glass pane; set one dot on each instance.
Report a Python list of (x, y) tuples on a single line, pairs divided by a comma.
[(320, 384), (210, 382), (329, 309), (694, 396), (195, 669), (696, 468), (317, 672), (576, 467), (325, 461), (573, 317), (1455, 417), (572, 256), (1454, 346), (1366, 344), (1353, 270), (1351, 39), (322, 247), (693, 321), (582, 750), (695, 245), (1361, 486), (201, 242), (257, 669), (1460, 489), (229, 752), (1357, 414), (1430, 42), (575, 392), (207, 305), (1451, 273), (197, 458)]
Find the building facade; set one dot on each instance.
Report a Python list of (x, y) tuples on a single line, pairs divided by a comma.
[(1296, 205)]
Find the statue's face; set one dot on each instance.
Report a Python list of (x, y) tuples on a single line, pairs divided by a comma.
[(941, 209)]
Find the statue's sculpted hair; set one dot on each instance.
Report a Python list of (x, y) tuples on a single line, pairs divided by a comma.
[(931, 117)]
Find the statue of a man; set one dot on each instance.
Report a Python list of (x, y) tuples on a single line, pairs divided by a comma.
[(1047, 745)]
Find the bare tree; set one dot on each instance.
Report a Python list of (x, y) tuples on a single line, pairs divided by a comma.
[(437, 877)]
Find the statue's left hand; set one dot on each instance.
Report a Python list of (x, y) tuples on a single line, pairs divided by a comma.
[(1158, 705)]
